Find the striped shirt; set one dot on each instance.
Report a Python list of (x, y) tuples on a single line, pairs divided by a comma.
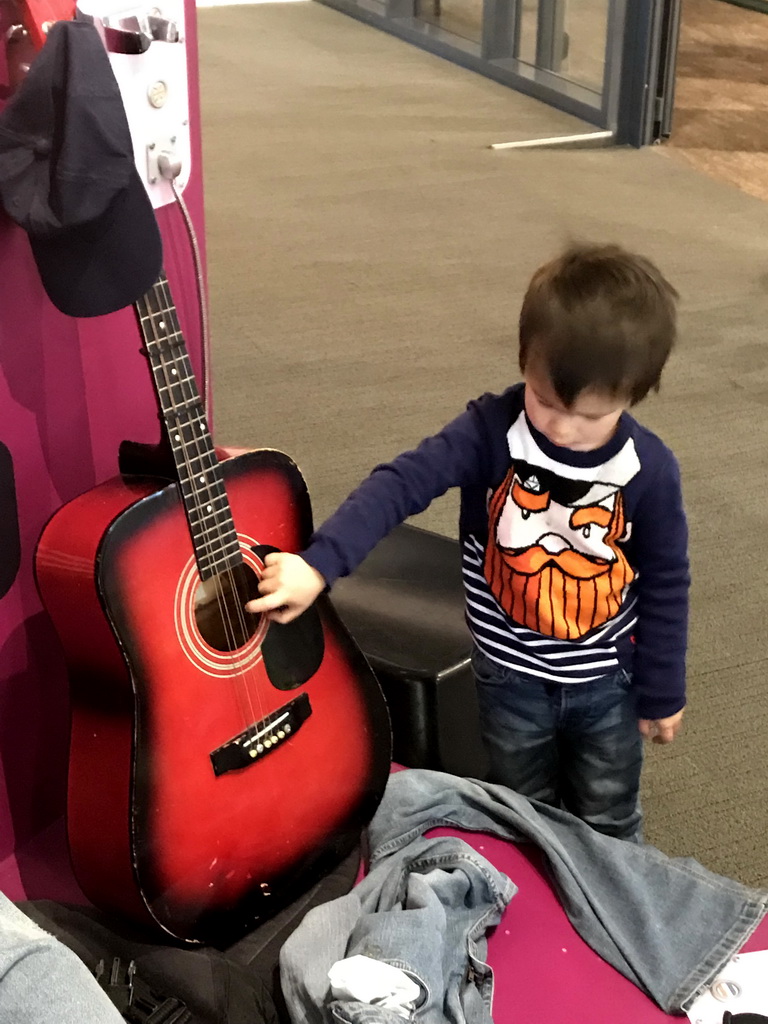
[(527, 651)]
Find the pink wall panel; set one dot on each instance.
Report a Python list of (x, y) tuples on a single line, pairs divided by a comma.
[(70, 391)]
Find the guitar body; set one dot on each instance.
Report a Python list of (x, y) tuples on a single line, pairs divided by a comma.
[(208, 784)]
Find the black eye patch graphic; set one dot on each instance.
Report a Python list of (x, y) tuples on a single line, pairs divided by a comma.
[(543, 481)]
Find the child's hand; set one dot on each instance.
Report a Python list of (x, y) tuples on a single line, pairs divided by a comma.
[(661, 730), (288, 587)]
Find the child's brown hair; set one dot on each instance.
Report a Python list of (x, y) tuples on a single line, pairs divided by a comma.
[(598, 318)]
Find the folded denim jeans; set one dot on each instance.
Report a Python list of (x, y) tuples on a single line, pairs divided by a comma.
[(426, 911)]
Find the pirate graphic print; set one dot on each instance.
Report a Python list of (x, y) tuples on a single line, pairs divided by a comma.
[(554, 560)]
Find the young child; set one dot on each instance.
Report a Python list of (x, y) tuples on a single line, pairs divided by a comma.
[(573, 538)]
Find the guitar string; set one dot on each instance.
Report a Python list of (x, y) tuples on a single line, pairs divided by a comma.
[(165, 311), (184, 382), (187, 379)]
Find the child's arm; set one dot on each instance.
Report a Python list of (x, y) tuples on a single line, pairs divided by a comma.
[(660, 541), (456, 457)]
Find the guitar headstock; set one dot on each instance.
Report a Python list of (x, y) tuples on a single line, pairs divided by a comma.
[(38, 15), (23, 28)]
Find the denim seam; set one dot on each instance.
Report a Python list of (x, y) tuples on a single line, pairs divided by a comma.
[(479, 928), (475, 932), (404, 838), (749, 918), (364, 1013)]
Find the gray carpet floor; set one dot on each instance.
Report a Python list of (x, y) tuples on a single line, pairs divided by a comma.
[(367, 258)]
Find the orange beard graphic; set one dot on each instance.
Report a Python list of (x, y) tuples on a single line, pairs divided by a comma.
[(562, 595)]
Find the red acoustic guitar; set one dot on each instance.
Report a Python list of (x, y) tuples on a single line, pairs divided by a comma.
[(219, 764)]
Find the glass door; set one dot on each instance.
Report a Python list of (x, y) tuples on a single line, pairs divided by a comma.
[(596, 59)]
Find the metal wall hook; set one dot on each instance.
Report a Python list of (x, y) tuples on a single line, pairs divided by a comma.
[(131, 30)]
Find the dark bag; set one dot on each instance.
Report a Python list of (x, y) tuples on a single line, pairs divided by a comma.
[(152, 983)]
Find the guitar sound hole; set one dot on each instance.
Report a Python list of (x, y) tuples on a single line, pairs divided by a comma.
[(220, 612)]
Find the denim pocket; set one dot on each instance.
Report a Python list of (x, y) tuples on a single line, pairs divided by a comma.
[(624, 679), (487, 672), (354, 1012)]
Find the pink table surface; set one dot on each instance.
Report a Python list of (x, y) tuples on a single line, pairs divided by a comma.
[(544, 971)]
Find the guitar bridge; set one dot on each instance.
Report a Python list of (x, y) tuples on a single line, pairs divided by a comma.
[(262, 737)]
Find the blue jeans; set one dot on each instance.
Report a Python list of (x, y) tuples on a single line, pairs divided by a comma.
[(668, 925), (575, 746)]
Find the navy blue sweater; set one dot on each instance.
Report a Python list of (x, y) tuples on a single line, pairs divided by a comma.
[(575, 563)]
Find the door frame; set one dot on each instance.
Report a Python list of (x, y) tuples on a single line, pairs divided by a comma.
[(648, 79)]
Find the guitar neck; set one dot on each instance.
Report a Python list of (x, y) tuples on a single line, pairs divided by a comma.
[(201, 483)]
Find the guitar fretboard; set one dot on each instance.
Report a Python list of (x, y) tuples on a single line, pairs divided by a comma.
[(200, 479)]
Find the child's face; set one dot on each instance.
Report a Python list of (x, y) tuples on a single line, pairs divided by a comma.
[(588, 424)]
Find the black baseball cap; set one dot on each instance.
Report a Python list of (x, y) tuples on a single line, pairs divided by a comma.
[(68, 177)]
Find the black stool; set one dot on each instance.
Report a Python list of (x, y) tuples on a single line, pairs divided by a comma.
[(405, 608)]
